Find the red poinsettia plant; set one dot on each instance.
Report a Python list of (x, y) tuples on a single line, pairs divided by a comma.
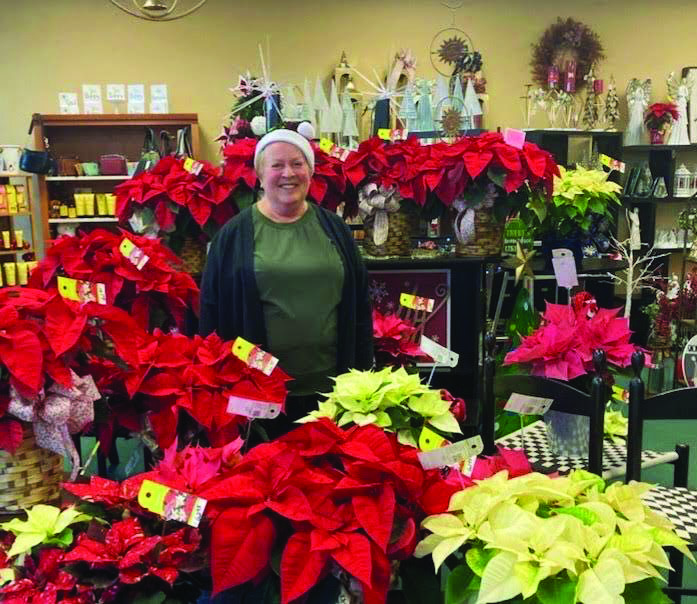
[(394, 341), (562, 347), (659, 115), (158, 287)]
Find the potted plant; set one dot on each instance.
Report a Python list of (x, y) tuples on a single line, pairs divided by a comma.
[(658, 119), (581, 207)]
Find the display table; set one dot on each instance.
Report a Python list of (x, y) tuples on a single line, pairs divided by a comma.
[(677, 504), (536, 445)]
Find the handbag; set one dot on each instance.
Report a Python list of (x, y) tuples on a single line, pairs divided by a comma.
[(112, 165), (165, 143), (67, 166), (184, 143), (37, 162), (149, 156)]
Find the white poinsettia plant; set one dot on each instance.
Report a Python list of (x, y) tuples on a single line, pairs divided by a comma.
[(390, 398), (546, 540)]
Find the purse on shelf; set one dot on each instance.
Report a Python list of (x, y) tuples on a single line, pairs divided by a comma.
[(112, 165), (184, 143), (165, 143), (37, 162), (149, 156), (67, 166)]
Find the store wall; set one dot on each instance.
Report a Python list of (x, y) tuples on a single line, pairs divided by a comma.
[(48, 46)]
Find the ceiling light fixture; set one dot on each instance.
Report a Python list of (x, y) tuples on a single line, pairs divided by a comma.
[(157, 10)]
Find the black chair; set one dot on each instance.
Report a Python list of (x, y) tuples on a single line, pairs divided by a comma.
[(678, 503), (566, 399)]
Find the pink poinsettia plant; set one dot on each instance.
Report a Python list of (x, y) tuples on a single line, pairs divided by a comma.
[(562, 347), (395, 341)]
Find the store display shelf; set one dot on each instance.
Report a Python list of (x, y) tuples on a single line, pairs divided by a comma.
[(660, 147), (671, 250), (656, 200), (574, 132), (14, 174), (15, 214), (4, 252), (83, 219), (404, 262), (87, 178)]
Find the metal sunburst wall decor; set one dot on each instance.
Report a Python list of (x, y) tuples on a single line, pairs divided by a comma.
[(158, 10)]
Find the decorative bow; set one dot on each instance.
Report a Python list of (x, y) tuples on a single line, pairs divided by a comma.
[(58, 413), (378, 201), (464, 221)]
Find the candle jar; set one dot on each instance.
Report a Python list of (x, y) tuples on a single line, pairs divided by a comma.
[(570, 79), (552, 77)]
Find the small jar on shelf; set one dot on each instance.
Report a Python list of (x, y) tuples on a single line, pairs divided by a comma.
[(683, 182)]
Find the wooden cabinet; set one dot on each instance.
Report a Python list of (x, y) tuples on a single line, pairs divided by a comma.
[(88, 137)]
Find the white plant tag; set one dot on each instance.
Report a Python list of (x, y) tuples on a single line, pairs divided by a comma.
[(468, 466), (451, 454), (440, 354), (528, 405), (251, 408), (564, 268)]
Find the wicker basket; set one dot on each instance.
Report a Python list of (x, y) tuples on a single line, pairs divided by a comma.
[(193, 255), (488, 236), (32, 475), (398, 241)]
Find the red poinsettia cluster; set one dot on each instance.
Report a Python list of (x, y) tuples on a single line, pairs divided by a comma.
[(169, 184), (393, 341), (328, 181), (562, 347), (197, 375), (160, 284), (448, 169), (660, 114), (350, 498)]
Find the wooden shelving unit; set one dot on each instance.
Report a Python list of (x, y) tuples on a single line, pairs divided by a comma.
[(88, 137), (12, 222)]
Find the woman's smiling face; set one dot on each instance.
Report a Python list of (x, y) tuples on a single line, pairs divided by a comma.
[(285, 174)]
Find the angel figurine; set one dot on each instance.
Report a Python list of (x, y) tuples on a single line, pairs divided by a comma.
[(679, 91), (638, 95)]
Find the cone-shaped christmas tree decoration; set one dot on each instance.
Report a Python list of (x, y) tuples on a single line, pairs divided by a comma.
[(321, 104), (459, 102), (349, 128), (407, 110), (334, 114), (612, 105), (440, 100), (308, 112), (291, 108), (424, 110), (472, 106)]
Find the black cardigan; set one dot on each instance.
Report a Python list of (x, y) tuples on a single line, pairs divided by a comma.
[(230, 301)]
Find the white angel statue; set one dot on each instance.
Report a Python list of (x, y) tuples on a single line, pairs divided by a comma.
[(679, 91), (638, 95)]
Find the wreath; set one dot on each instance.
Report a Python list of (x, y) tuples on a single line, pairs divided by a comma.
[(565, 40)]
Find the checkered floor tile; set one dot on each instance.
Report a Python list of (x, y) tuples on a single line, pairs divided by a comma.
[(679, 506), (533, 439)]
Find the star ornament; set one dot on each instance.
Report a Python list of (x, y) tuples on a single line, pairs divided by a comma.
[(522, 260)]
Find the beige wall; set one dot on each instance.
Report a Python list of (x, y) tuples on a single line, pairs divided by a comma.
[(48, 46)]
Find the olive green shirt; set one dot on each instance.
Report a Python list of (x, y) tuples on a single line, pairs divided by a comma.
[(300, 278)]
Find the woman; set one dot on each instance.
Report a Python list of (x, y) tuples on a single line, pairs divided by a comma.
[(285, 274)]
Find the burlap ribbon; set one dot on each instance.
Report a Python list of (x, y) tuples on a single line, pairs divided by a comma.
[(58, 413), (378, 202)]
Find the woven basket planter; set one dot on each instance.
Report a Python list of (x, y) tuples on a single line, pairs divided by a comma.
[(193, 255), (32, 475), (398, 241), (488, 236)]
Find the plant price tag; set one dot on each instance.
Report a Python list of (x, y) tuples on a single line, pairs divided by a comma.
[(613, 164), (528, 405), (440, 354), (253, 356), (248, 407), (451, 454), (416, 302), (81, 291), (429, 440), (564, 268), (396, 134), (171, 504), (192, 166), (131, 251)]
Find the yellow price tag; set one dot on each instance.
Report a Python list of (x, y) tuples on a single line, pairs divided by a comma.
[(188, 164), (126, 247), (152, 496), (67, 288), (253, 356), (385, 134), (429, 440), (170, 503), (416, 302), (242, 349), (326, 145)]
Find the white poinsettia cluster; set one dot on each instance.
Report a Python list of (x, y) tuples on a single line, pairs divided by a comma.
[(565, 539)]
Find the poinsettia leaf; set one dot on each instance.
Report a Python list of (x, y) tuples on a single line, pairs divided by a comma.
[(240, 547), (301, 567), (291, 503), (23, 357), (11, 435), (356, 557), (375, 513)]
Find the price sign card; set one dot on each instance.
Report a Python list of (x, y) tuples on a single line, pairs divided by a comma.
[(171, 504), (67, 102), (451, 454), (440, 354), (417, 302), (92, 98), (158, 98), (253, 356), (564, 268), (136, 98), (528, 405), (115, 93), (239, 405)]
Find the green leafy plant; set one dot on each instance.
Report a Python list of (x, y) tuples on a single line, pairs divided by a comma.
[(580, 197), (551, 540), (392, 399), (45, 525)]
